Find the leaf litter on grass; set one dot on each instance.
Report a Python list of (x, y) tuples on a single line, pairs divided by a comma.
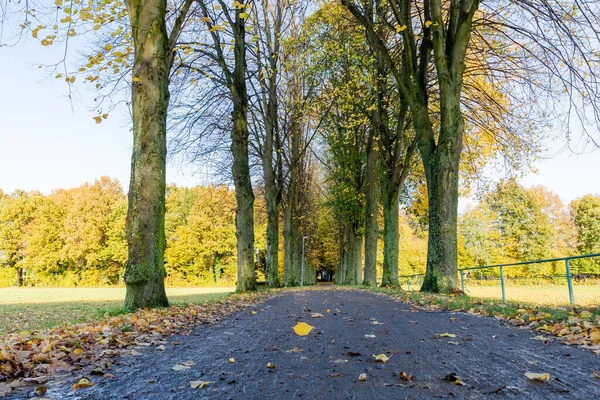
[(25, 356)]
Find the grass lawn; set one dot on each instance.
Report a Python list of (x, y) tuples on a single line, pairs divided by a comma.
[(28, 309), (551, 295)]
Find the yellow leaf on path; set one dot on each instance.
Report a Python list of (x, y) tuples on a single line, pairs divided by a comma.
[(302, 328), (270, 365), (317, 315), (82, 384), (446, 334), (198, 384), (537, 377), (253, 312), (381, 358), (328, 310), (231, 360), (596, 374), (362, 377)]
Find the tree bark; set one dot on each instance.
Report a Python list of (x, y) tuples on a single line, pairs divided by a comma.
[(358, 271), (441, 170), (145, 271), (244, 218), (390, 236), (371, 226)]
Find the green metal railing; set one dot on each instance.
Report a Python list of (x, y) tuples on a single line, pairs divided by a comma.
[(461, 271)]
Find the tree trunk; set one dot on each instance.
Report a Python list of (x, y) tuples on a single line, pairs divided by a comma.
[(271, 132), (145, 271), (290, 239), (244, 221), (358, 272), (442, 187), (371, 227), (390, 236), (350, 274), (272, 256)]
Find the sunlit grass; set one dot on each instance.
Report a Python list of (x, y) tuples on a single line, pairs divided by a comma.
[(28, 309), (552, 295)]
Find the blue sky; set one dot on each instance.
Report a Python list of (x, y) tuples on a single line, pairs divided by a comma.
[(47, 142)]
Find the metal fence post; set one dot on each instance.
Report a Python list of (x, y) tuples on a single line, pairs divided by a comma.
[(462, 280), (502, 283), (569, 280)]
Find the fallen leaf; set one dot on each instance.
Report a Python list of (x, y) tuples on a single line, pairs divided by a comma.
[(537, 377), (597, 375), (295, 350), (198, 384), (302, 328), (231, 360), (452, 377), (160, 348), (454, 343), (375, 322), (40, 390), (270, 365), (595, 336), (403, 376), (336, 375), (82, 384), (362, 377), (316, 315), (446, 334), (381, 358), (183, 366), (371, 336), (340, 361)]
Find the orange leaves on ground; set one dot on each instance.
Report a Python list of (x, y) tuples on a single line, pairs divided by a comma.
[(41, 354)]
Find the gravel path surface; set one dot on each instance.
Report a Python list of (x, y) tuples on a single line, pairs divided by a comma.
[(490, 359)]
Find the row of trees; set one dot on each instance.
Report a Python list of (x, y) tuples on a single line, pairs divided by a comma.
[(252, 84), (76, 236)]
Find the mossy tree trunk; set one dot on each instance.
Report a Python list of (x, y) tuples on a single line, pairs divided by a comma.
[(442, 169), (145, 228), (371, 225), (244, 220), (390, 236)]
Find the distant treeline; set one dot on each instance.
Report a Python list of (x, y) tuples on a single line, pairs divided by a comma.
[(77, 236)]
